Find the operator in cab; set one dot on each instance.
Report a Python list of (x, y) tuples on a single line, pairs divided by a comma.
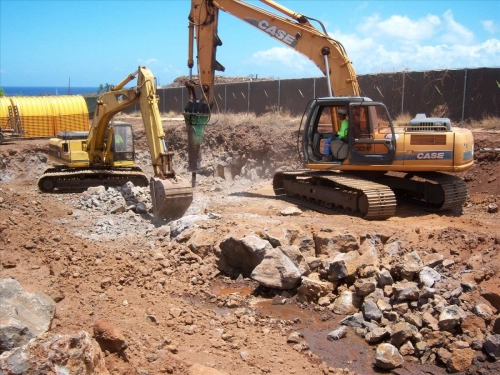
[(341, 135)]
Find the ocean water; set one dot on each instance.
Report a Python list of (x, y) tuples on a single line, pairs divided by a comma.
[(36, 91)]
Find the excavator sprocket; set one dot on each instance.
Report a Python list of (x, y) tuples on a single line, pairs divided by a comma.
[(170, 197), (324, 191)]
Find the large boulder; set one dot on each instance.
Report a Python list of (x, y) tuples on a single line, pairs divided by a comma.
[(278, 236), (429, 276), (405, 291), (23, 315), (329, 244), (492, 346), (280, 268), (343, 265), (401, 332), (460, 360), (244, 253), (64, 353)]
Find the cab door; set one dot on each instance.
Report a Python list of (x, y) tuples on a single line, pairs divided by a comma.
[(371, 135)]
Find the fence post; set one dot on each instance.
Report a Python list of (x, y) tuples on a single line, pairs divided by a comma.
[(279, 95), (463, 99), (248, 100), (403, 95), (182, 99), (225, 98)]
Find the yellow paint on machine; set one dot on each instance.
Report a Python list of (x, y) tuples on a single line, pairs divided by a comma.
[(45, 116)]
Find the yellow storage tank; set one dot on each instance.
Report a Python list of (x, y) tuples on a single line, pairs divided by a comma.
[(4, 112), (36, 115), (70, 113), (45, 116)]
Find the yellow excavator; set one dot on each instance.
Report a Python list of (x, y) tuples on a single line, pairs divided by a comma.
[(375, 162), (105, 154)]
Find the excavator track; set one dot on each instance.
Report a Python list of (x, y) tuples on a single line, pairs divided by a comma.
[(326, 191), (67, 180), (433, 191)]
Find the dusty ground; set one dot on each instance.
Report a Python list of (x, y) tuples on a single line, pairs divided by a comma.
[(187, 312)]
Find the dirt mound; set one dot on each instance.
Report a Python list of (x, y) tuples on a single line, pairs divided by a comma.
[(181, 80)]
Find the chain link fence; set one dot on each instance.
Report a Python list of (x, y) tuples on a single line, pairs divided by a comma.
[(461, 95)]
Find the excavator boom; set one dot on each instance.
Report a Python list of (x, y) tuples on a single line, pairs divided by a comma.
[(295, 32)]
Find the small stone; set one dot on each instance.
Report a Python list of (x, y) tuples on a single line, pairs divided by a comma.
[(294, 338), (291, 211), (106, 282), (492, 208), (338, 334), (492, 346), (108, 336)]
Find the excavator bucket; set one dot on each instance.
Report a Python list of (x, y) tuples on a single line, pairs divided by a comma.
[(171, 198)]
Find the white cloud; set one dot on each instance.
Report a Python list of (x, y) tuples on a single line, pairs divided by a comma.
[(393, 44), (173, 69), (490, 26), (148, 62), (400, 28), (455, 33), (401, 43), (283, 57)]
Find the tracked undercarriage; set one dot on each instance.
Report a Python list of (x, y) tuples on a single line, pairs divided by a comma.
[(432, 191), (372, 199), (170, 197), (73, 179)]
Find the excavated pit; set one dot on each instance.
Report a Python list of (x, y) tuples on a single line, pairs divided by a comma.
[(67, 244)]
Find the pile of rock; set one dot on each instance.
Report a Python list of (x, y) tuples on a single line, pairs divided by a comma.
[(117, 211), (408, 303), (115, 199)]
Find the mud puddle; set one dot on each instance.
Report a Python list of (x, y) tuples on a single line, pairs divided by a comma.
[(351, 352)]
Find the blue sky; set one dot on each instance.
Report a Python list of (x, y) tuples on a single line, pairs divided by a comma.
[(46, 43)]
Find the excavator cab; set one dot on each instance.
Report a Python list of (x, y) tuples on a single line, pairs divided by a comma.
[(370, 137), (122, 144)]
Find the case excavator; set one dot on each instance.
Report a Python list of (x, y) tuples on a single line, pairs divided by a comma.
[(105, 154), (374, 163)]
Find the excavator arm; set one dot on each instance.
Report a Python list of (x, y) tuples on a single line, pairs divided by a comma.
[(292, 29)]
